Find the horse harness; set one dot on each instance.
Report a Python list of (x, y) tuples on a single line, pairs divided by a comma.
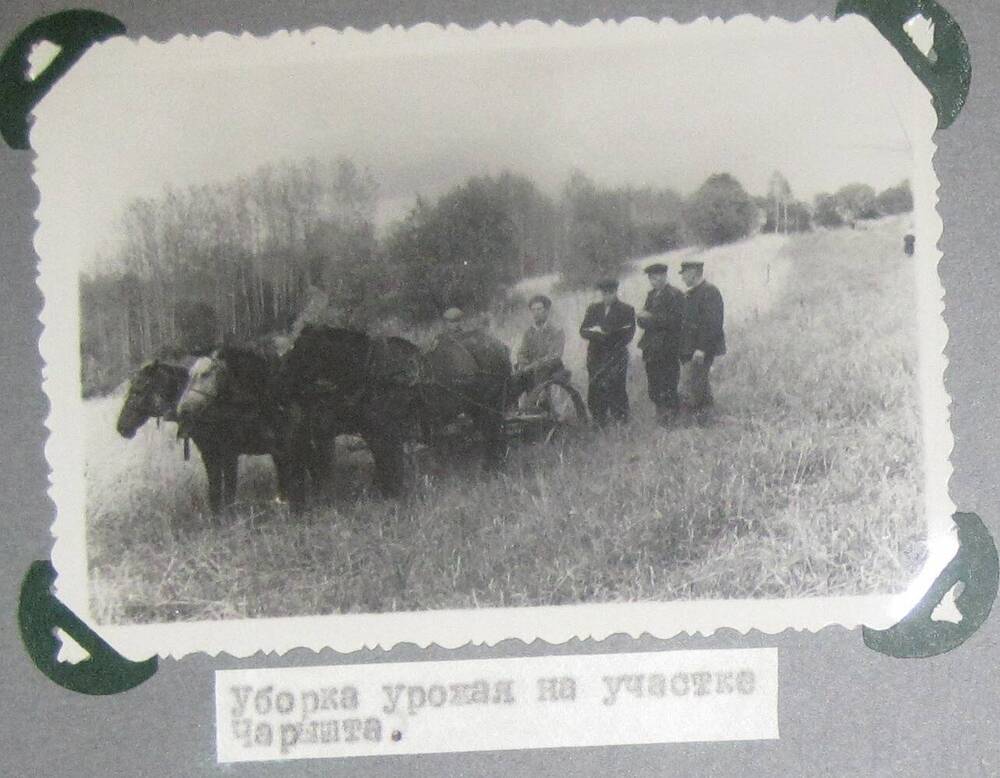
[(184, 435)]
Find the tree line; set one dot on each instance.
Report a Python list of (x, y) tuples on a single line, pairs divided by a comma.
[(298, 241)]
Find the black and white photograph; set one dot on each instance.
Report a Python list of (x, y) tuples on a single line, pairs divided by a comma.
[(537, 331)]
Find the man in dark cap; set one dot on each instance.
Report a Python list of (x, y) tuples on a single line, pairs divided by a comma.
[(454, 330), (703, 338), (450, 346), (453, 318), (660, 343), (608, 327)]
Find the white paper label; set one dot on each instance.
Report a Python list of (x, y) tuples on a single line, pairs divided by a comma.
[(495, 704)]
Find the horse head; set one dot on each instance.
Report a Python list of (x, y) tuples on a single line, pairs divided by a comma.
[(153, 392)]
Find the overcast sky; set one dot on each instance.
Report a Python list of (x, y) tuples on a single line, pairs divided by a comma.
[(827, 103)]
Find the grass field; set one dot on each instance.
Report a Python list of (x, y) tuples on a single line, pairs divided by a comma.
[(808, 483)]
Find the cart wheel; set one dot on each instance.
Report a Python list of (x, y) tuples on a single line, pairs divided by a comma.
[(566, 408)]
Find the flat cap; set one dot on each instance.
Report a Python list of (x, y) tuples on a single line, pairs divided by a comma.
[(656, 267), (453, 314), (692, 264), (607, 285)]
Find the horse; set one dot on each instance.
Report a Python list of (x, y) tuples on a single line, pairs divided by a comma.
[(337, 381), (387, 391), (153, 392), (228, 407)]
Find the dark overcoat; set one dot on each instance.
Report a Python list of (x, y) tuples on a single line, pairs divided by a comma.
[(661, 336), (703, 322), (619, 329)]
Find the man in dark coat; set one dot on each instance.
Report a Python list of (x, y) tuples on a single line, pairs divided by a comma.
[(660, 343), (608, 327), (703, 338)]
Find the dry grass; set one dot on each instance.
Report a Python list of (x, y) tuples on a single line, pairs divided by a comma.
[(809, 483)]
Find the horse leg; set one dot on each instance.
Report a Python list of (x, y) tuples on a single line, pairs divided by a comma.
[(421, 417), (490, 426), (496, 446), (321, 464), (294, 464), (291, 481), (230, 469), (387, 451), (213, 469), (295, 478), (281, 475)]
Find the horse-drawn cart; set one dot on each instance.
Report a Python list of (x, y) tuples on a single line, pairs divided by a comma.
[(548, 411), (546, 414), (333, 383)]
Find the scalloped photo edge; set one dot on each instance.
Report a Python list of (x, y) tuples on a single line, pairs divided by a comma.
[(59, 225)]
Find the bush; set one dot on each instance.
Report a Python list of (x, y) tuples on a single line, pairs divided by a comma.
[(720, 211), (895, 199), (463, 252), (799, 217), (827, 211), (857, 201)]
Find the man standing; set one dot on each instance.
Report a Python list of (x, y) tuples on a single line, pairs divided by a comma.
[(608, 326), (703, 337), (540, 354), (660, 343)]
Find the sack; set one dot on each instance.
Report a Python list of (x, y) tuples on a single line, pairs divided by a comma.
[(491, 356)]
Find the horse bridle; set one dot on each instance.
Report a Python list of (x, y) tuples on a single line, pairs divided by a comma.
[(210, 396), (229, 399), (160, 405), (201, 392)]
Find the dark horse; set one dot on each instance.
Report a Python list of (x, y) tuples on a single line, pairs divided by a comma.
[(153, 392), (229, 407), (338, 382)]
